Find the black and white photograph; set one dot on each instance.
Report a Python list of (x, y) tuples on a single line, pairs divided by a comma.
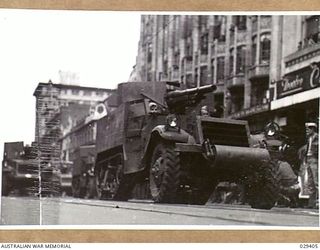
[(159, 120)]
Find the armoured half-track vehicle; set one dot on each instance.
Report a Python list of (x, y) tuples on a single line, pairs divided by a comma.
[(156, 135), (20, 175)]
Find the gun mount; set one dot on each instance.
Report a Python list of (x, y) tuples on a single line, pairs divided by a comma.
[(179, 100)]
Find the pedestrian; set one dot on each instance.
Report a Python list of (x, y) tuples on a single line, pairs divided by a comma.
[(308, 155)]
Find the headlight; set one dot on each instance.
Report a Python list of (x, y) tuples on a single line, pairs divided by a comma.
[(153, 107), (28, 176), (172, 121)]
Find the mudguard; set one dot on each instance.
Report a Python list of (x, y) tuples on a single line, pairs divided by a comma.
[(171, 135), (161, 132)]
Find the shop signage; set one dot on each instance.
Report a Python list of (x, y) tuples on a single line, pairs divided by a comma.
[(298, 81), (251, 111)]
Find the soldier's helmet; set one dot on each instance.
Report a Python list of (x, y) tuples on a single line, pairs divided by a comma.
[(272, 129)]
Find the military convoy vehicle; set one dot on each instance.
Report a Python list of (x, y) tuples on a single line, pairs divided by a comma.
[(156, 135), (19, 170)]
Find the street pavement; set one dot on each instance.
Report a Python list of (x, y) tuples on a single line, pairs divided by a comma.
[(20, 211)]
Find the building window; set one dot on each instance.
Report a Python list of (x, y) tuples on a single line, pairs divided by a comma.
[(237, 100), (220, 68), (254, 50), (176, 61), (240, 22), (165, 69), (149, 53), (203, 21), (189, 81), (265, 44), (86, 93), (265, 22), (75, 91), (204, 44), (219, 27), (241, 59), (254, 23), (231, 58), (196, 77), (212, 71), (259, 91), (313, 29), (189, 49), (203, 75)]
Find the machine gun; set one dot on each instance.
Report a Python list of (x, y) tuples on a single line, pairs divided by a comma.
[(179, 100)]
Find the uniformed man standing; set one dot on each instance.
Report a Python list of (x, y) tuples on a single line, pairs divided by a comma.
[(308, 155)]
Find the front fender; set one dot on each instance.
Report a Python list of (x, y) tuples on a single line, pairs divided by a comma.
[(171, 135), (160, 133)]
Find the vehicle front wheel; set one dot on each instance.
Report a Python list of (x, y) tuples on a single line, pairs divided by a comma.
[(164, 173)]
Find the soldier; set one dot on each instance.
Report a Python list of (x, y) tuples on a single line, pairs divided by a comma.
[(308, 155), (278, 146), (204, 111), (288, 181)]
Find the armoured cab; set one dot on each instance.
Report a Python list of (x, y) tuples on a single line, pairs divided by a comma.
[(123, 133)]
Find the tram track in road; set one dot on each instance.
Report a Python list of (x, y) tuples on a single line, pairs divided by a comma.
[(230, 214)]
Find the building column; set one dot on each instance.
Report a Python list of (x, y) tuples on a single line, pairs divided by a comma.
[(276, 51), (182, 48), (215, 64), (195, 38), (235, 50), (170, 57), (160, 40), (154, 48), (258, 41), (227, 96), (247, 83), (210, 48)]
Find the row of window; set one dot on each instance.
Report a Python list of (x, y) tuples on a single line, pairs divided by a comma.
[(240, 55), (84, 92)]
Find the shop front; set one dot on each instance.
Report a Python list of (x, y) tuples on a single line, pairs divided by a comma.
[(297, 100), (257, 116)]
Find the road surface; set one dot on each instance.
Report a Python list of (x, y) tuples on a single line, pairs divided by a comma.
[(71, 211)]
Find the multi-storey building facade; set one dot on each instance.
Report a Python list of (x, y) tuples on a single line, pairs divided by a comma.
[(295, 81), (244, 56), (59, 107)]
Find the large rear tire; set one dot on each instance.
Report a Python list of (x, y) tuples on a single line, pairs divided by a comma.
[(263, 190), (113, 184), (164, 173)]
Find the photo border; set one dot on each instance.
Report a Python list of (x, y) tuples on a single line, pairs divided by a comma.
[(164, 236)]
